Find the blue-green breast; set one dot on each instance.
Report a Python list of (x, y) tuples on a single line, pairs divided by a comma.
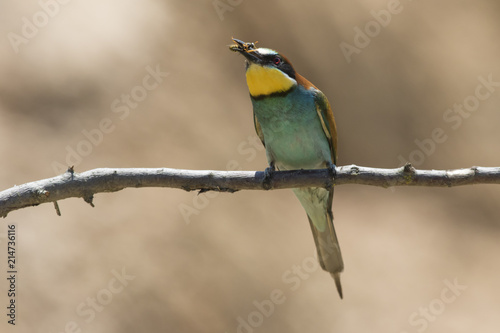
[(292, 130)]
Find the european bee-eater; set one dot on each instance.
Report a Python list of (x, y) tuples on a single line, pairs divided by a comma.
[(295, 123)]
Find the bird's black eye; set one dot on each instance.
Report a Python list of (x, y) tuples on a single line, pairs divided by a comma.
[(277, 60)]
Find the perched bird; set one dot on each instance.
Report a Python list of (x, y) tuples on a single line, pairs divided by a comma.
[(295, 123)]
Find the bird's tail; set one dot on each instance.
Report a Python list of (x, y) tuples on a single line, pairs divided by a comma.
[(327, 246), (318, 204)]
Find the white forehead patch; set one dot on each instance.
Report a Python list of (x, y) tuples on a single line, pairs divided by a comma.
[(265, 51)]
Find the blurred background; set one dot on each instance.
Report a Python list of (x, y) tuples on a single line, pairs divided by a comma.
[(152, 84)]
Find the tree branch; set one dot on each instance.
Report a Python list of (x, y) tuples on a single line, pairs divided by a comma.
[(86, 184)]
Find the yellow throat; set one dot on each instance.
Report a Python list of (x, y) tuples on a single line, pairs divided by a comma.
[(263, 80)]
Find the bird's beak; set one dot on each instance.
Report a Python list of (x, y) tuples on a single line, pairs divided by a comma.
[(252, 56), (248, 50)]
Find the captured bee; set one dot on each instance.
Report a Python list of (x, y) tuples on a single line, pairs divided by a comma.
[(242, 46)]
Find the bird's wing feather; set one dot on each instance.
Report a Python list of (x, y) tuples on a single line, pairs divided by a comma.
[(258, 129), (327, 121), (325, 114)]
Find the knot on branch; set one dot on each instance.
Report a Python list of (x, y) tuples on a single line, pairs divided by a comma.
[(408, 173), (42, 193), (354, 171), (89, 198)]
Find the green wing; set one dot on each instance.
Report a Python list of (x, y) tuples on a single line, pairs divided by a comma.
[(258, 129), (325, 115)]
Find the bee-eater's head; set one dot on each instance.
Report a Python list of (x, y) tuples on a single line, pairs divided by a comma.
[(267, 71)]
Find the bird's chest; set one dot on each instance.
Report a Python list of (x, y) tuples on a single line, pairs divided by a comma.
[(292, 132)]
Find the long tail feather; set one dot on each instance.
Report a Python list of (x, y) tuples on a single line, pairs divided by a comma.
[(329, 255), (318, 205)]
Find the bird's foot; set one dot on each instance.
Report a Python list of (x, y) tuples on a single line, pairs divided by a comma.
[(332, 171), (268, 174)]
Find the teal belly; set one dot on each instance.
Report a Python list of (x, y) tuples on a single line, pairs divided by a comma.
[(292, 131)]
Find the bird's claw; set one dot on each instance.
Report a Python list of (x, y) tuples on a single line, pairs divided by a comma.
[(268, 174)]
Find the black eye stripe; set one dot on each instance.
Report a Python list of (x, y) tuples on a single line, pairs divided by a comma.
[(275, 60), (282, 65)]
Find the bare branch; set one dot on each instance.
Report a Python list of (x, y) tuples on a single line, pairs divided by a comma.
[(86, 184)]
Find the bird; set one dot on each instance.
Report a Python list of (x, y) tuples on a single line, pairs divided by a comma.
[(295, 123)]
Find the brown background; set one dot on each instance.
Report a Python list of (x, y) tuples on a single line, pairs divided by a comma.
[(399, 245)]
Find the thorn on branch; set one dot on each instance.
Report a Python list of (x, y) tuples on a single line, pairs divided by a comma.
[(408, 168), (89, 199), (56, 206), (71, 171)]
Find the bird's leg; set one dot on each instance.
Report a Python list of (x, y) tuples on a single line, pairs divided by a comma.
[(268, 173)]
